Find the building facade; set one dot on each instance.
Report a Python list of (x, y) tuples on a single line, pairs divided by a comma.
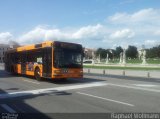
[(89, 53), (3, 48)]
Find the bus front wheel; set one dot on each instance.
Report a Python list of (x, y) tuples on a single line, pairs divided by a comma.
[(37, 74)]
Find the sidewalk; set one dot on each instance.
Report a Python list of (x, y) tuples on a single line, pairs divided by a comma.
[(126, 65), (118, 72)]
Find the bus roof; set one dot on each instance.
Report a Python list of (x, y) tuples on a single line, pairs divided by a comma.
[(36, 46)]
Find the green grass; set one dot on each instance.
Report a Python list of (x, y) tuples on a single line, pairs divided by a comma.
[(134, 61), (152, 61), (123, 67), (149, 61), (137, 61)]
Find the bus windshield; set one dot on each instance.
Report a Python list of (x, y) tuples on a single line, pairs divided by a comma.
[(67, 58)]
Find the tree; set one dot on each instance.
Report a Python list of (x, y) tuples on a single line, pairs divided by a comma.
[(102, 52), (153, 52), (132, 52), (118, 51), (111, 52)]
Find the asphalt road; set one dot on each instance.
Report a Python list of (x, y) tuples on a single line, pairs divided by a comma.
[(92, 94)]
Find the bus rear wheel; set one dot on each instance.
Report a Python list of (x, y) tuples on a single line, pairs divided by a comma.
[(37, 74)]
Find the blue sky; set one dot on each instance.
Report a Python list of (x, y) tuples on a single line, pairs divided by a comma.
[(93, 23)]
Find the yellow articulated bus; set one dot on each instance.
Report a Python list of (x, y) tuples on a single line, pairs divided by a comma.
[(50, 59)]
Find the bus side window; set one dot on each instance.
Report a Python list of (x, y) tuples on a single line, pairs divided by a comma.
[(30, 61), (17, 58), (39, 60)]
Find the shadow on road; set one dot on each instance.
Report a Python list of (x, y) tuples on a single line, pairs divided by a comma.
[(27, 111), (12, 89), (24, 110), (74, 81), (11, 103), (5, 74)]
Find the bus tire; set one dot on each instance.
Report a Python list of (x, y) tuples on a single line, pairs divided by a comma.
[(37, 74)]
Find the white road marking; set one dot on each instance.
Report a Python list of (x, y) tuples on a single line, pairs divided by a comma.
[(49, 90), (145, 85), (9, 109), (128, 104), (136, 88), (30, 81)]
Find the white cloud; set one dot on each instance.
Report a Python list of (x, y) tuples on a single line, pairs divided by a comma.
[(40, 34), (142, 25), (122, 34), (149, 15), (5, 37), (88, 31), (157, 33), (150, 43), (36, 35), (120, 28), (114, 46)]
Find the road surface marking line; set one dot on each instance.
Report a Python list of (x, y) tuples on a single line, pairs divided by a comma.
[(9, 109), (106, 99), (144, 85), (50, 90), (137, 88), (31, 81)]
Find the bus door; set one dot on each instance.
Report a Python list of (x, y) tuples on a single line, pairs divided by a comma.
[(47, 62), (23, 63)]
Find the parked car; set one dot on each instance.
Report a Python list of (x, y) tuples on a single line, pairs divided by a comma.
[(88, 62)]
